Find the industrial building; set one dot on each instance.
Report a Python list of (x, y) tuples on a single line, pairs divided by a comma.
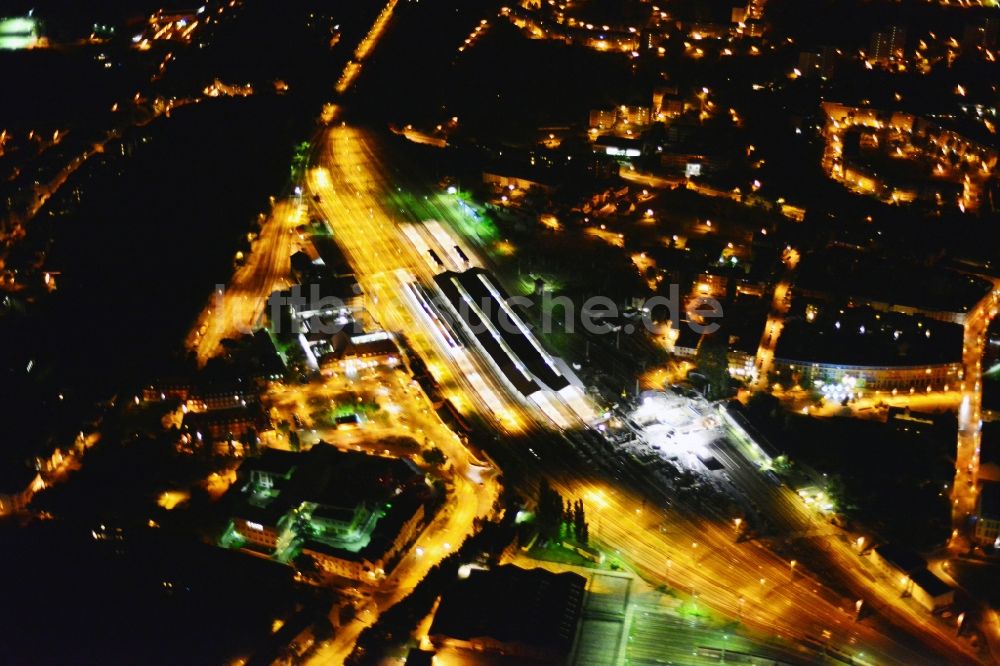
[(482, 309), (531, 615), (344, 514)]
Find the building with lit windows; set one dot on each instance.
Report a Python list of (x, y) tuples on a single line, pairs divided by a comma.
[(887, 45), (981, 35), (355, 352), (515, 181), (843, 351), (20, 32), (944, 166), (987, 517), (937, 377), (230, 423), (636, 116), (343, 514), (603, 119), (684, 340)]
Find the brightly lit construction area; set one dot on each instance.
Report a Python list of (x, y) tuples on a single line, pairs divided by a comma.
[(676, 427)]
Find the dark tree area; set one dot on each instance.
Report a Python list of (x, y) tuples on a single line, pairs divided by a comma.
[(549, 512), (434, 456), (889, 479), (581, 528), (713, 365)]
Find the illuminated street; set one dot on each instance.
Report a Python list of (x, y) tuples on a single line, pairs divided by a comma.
[(351, 192), (964, 491), (473, 484)]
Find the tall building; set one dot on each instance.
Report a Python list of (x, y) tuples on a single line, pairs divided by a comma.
[(634, 115), (603, 118), (822, 62), (982, 35), (887, 45), (755, 9)]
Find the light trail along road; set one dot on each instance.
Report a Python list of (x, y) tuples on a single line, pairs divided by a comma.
[(964, 492)]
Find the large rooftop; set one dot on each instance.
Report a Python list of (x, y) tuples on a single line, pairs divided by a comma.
[(326, 475), (902, 558), (840, 273), (930, 583), (864, 337), (483, 305), (532, 607)]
